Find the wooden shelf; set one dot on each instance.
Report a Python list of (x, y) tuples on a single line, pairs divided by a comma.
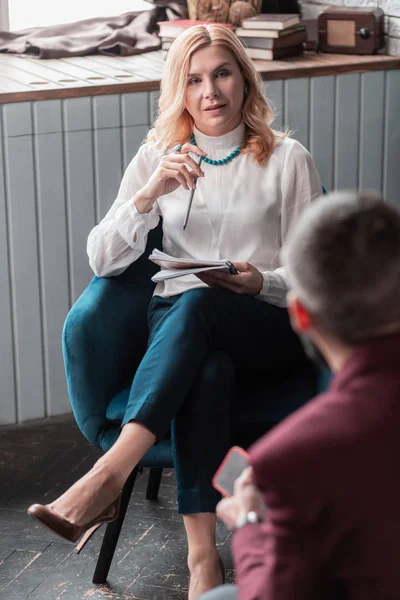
[(23, 78), (313, 64)]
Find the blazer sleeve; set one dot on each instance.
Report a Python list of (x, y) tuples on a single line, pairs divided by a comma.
[(120, 237), (281, 558), (272, 559)]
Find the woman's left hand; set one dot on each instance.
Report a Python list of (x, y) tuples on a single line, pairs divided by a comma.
[(248, 281)]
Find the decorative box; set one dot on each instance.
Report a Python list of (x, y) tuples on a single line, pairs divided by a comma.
[(351, 31)]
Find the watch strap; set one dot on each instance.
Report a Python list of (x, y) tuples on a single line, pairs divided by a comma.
[(251, 518)]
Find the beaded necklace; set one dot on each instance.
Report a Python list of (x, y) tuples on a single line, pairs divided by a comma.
[(218, 162)]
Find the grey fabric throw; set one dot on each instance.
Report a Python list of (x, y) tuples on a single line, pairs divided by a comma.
[(130, 33)]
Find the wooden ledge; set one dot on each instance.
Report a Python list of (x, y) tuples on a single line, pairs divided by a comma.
[(313, 64), (23, 79)]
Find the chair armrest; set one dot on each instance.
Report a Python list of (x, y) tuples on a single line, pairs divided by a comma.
[(104, 338)]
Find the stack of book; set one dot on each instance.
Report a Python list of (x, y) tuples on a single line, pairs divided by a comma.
[(272, 36), (169, 30)]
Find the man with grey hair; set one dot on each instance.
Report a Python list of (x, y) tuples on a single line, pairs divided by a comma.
[(317, 513)]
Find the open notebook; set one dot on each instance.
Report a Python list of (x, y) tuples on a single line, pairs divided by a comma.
[(178, 267)]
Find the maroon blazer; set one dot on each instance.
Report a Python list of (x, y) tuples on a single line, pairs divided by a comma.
[(330, 476)]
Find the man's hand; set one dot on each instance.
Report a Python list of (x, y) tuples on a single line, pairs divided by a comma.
[(246, 498), (248, 281)]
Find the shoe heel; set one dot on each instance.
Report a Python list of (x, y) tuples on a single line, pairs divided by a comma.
[(86, 537)]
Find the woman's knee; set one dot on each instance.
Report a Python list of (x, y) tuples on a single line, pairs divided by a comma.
[(204, 301), (214, 388), (218, 369), (195, 306), (196, 297)]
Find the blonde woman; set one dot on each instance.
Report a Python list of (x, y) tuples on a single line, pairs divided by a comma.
[(251, 186)]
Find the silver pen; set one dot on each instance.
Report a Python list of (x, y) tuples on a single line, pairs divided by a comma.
[(185, 222)]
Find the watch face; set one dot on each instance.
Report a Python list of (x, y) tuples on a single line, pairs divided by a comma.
[(249, 519), (252, 517)]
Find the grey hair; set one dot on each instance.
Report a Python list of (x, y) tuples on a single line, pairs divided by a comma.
[(343, 263)]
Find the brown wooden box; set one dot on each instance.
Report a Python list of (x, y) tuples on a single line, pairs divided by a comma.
[(351, 31)]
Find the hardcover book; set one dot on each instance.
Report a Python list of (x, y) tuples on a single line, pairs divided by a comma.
[(286, 41), (270, 21), (275, 54), (269, 33)]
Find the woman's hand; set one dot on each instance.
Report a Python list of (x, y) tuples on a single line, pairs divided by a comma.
[(248, 281), (246, 498), (174, 170)]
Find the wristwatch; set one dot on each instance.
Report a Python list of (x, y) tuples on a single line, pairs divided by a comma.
[(250, 519)]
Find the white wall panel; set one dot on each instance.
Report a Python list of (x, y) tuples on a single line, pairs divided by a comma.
[(79, 189), (347, 131), (322, 126), (53, 248), (8, 406), (107, 151), (391, 182), (297, 107), (274, 92), (372, 117), (132, 138), (61, 162), (24, 260)]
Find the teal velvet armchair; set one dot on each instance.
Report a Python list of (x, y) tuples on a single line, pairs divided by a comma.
[(104, 339)]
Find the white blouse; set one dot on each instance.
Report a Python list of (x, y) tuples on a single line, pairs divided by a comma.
[(241, 211)]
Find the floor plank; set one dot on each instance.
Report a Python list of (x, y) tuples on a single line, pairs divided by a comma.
[(41, 459)]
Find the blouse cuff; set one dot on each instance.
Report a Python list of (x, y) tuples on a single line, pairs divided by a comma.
[(274, 288), (133, 225), (266, 284)]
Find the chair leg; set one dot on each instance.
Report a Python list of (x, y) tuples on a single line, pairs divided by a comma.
[(154, 483), (112, 532)]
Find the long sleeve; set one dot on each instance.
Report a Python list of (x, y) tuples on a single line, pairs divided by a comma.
[(300, 185), (274, 287), (272, 560), (284, 558), (280, 559), (241, 211), (120, 238)]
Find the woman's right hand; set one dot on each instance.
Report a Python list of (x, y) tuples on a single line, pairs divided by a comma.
[(174, 170)]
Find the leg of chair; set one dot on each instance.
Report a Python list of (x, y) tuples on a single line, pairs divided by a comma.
[(154, 483), (112, 532)]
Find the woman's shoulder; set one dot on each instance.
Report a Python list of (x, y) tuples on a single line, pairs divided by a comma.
[(140, 169), (148, 151), (290, 153), (146, 158), (287, 145)]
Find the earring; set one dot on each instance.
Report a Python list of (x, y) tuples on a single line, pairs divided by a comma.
[(246, 88)]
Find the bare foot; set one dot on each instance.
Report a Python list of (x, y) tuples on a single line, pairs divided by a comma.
[(89, 496), (205, 575)]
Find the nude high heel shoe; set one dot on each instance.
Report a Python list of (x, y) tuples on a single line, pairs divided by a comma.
[(69, 531)]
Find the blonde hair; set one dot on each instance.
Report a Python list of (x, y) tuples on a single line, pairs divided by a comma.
[(174, 124)]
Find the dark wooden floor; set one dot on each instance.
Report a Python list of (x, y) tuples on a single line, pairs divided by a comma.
[(40, 460)]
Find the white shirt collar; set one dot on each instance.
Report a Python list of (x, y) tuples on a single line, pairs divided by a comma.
[(228, 140)]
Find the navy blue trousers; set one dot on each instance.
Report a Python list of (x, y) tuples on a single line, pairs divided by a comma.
[(198, 341)]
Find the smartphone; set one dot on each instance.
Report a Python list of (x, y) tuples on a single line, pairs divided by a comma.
[(229, 470)]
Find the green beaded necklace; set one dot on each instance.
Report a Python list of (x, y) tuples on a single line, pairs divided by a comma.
[(218, 162)]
